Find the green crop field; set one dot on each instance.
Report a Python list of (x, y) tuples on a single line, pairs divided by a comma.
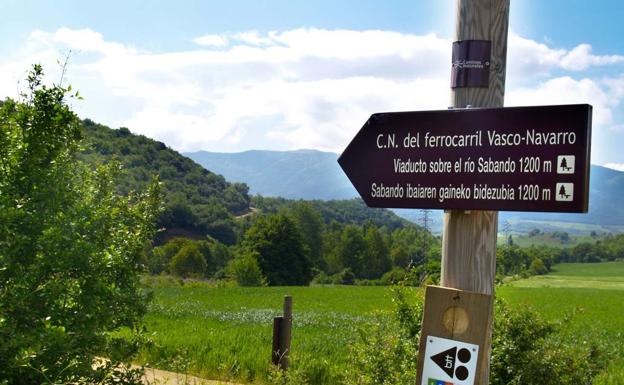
[(225, 333), (593, 292)]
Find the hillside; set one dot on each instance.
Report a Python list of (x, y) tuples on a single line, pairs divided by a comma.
[(351, 211), (309, 174), (301, 174), (197, 201)]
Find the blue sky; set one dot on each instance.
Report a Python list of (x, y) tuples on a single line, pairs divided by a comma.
[(236, 75)]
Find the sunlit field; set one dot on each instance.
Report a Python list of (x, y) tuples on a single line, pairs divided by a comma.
[(225, 333)]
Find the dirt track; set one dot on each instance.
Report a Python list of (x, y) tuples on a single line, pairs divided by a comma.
[(162, 377)]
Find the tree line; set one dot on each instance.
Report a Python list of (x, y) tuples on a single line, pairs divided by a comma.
[(295, 246)]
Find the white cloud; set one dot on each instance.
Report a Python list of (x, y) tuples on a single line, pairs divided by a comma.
[(301, 88), (253, 38), (528, 58), (615, 166), (84, 40), (211, 40), (566, 90), (581, 58)]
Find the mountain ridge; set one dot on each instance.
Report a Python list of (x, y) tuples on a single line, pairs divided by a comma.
[(320, 168)]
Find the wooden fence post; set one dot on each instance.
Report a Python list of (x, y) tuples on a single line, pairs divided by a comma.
[(282, 328)]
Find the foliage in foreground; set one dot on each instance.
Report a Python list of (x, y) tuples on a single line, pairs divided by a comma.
[(69, 249), (524, 351)]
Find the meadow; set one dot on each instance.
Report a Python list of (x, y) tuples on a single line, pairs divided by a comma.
[(225, 333)]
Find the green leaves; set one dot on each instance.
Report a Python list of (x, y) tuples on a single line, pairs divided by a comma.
[(70, 247)]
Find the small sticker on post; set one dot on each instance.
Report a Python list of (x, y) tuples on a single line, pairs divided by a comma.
[(471, 63), (449, 362)]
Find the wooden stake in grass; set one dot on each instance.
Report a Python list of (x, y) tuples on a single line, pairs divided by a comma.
[(282, 327)]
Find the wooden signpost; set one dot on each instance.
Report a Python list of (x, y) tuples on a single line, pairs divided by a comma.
[(471, 163), (469, 238)]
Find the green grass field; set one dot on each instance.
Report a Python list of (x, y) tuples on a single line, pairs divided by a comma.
[(225, 333), (593, 292)]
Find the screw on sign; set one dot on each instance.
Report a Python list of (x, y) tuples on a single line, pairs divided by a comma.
[(449, 362)]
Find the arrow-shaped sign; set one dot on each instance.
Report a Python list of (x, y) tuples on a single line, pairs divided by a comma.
[(511, 159)]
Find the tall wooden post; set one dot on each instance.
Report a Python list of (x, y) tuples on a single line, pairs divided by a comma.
[(469, 238), (282, 329), (286, 332)]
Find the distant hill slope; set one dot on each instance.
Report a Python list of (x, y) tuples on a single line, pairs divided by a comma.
[(301, 174), (350, 211), (197, 201), (606, 205), (310, 174)]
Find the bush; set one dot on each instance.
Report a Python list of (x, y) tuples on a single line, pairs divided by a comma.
[(393, 276), (523, 353), (537, 267), (159, 258), (385, 353), (525, 350), (321, 278), (345, 277), (70, 250), (245, 270), (188, 262)]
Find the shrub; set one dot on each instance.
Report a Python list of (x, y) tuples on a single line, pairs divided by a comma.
[(188, 262), (159, 258), (393, 276), (525, 350), (321, 278), (245, 270), (70, 250), (537, 267), (386, 351), (345, 277)]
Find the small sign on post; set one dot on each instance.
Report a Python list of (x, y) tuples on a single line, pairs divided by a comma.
[(455, 327), (471, 63)]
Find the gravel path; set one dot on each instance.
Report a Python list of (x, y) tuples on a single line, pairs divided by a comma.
[(162, 377)]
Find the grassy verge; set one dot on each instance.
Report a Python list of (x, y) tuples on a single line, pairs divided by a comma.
[(225, 333)]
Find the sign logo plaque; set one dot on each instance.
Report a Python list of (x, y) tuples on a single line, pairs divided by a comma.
[(449, 362)]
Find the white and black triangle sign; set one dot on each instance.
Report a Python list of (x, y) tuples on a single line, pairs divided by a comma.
[(449, 362)]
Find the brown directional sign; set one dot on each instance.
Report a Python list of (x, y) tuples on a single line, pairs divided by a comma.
[(509, 159)]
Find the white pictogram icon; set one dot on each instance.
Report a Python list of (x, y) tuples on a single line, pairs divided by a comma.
[(449, 361), (565, 164), (564, 192)]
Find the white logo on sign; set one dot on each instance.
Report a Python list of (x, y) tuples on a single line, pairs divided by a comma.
[(449, 361), (565, 164), (564, 192)]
